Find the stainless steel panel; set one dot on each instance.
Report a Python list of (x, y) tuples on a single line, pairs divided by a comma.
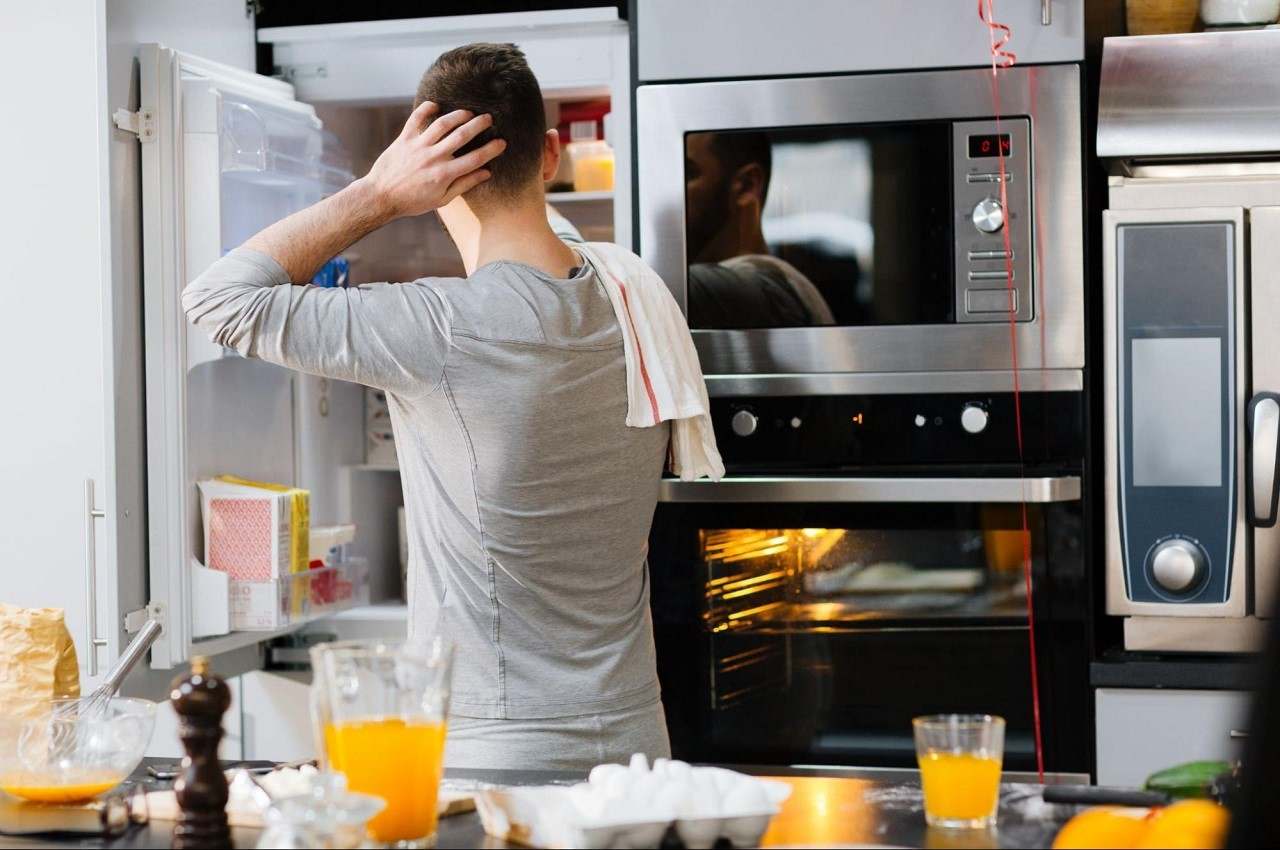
[(932, 490), (1205, 188), (1118, 601), (1190, 94), (1194, 634), (895, 383), (682, 40), (1264, 282), (990, 300), (1050, 96)]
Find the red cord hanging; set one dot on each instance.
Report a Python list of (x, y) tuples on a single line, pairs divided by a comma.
[(999, 35)]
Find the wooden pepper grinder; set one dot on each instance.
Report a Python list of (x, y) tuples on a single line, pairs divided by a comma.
[(200, 699)]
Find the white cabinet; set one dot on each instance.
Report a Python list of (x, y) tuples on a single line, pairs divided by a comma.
[(734, 39), (60, 346), (275, 716), (1141, 731)]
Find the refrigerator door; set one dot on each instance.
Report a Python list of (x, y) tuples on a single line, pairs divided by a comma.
[(224, 153)]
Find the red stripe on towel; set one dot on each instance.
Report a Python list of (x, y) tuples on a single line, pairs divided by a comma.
[(644, 372)]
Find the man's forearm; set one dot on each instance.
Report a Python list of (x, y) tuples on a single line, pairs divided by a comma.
[(303, 242)]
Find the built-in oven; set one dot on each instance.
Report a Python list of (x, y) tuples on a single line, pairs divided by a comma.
[(1191, 253), (863, 563), (868, 226)]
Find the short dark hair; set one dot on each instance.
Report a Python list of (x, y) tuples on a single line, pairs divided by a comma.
[(736, 149), (493, 79)]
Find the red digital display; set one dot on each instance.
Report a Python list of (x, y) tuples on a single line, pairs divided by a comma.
[(981, 147)]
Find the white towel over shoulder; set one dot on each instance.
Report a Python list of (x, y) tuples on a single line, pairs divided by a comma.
[(664, 378)]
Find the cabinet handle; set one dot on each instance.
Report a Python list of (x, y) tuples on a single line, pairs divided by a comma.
[(1046, 12), (1238, 734), (92, 513)]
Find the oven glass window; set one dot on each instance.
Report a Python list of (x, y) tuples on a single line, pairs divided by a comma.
[(813, 633), (835, 225), (765, 578)]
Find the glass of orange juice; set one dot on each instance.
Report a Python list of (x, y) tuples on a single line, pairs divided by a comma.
[(960, 757), (380, 708)]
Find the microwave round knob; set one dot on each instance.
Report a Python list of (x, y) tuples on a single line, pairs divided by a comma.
[(744, 423), (974, 418), (1178, 565), (988, 215)]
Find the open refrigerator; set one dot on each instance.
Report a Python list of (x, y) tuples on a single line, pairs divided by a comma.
[(225, 153)]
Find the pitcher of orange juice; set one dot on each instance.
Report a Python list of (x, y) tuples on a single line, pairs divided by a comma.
[(380, 709)]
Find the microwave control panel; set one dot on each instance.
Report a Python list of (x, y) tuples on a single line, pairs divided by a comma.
[(993, 229)]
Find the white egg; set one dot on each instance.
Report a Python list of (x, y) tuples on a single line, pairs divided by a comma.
[(643, 789), (617, 785), (639, 764), (745, 798), (586, 801), (704, 801), (679, 771), (600, 773), (725, 780), (671, 798)]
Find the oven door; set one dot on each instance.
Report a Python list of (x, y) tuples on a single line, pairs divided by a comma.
[(846, 224), (806, 621)]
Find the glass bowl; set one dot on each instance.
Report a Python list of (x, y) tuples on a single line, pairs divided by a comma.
[(72, 750)]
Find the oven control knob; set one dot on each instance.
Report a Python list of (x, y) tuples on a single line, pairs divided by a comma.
[(744, 423), (974, 418), (1178, 565), (988, 216)]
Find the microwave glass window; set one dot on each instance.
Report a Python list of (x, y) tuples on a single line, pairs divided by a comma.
[(981, 147), (1177, 412), (846, 225)]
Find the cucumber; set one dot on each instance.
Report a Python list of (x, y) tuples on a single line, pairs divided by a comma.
[(1192, 779)]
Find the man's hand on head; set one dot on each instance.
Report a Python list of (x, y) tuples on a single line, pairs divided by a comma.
[(418, 172)]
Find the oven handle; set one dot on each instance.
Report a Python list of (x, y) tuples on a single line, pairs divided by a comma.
[(1064, 488)]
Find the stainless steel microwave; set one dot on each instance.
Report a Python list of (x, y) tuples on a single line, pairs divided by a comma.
[(849, 233)]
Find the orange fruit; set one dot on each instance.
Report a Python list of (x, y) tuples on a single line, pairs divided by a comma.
[(1103, 826), (1195, 824)]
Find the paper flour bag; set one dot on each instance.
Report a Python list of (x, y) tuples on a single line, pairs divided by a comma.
[(37, 659)]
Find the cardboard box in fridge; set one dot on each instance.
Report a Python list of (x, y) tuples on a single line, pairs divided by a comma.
[(255, 531)]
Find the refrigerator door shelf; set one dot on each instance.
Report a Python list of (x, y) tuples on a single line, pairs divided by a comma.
[(230, 153), (262, 143)]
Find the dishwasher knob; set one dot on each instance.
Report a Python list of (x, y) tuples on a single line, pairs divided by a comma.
[(744, 423), (1178, 565), (974, 418), (988, 216)]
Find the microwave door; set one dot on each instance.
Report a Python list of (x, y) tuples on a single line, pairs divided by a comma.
[(1265, 343)]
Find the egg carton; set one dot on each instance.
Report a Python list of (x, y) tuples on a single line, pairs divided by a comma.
[(635, 806)]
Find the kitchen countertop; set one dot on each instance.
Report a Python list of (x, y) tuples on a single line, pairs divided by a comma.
[(828, 806)]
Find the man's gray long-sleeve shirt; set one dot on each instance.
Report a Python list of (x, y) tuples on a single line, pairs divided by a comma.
[(527, 499)]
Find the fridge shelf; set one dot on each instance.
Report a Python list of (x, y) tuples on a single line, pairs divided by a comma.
[(554, 198), (270, 146)]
